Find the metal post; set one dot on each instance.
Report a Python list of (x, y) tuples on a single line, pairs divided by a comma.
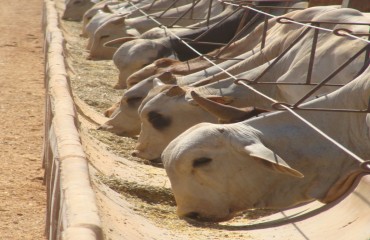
[(312, 55), (335, 72), (186, 12), (168, 8), (209, 11), (215, 25), (282, 54), (237, 35), (264, 33)]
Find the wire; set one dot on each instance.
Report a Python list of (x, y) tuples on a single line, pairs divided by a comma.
[(353, 155), (292, 21)]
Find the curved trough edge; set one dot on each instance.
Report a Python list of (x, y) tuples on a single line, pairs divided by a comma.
[(348, 219), (72, 211)]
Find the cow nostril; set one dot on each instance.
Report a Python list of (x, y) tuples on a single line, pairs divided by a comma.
[(134, 154), (192, 215)]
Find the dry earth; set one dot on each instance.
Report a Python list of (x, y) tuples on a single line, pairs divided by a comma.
[(22, 194)]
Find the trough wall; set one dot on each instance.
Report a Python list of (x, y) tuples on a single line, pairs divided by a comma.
[(72, 212)]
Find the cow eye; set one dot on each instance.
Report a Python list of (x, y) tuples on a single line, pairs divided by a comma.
[(133, 101), (201, 161), (104, 36), (77, 2), (158, 120)]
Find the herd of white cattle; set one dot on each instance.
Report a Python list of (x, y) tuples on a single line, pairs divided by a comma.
[(258, 157)]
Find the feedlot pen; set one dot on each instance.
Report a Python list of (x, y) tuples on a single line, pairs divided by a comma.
[(133, 197)]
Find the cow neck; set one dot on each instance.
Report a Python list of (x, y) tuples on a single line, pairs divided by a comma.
[(349, 129), (268, 189)]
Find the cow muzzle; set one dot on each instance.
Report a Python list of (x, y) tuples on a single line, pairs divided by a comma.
[(139, 154)]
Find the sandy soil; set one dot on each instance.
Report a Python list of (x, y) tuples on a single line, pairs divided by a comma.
[(22, 194)]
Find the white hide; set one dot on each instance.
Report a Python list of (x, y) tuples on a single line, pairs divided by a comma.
[(75, 9), (200, 68), (291, 68), (164, 135), (219, 170), (89, 14), (94, 23), (125, 119)]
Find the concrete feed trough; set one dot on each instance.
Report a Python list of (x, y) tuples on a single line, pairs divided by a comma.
[(97, 190)]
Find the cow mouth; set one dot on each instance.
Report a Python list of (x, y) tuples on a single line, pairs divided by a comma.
[(111, 129), (139, 154), (156, 160), (127, 134), (193, 217)]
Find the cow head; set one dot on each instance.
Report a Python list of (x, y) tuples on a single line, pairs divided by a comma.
[(163, 117), (218, 170), (99, 18), (89, 14), (133, 55), (226, 113), (157, 67), (75, 9), (111, 29), (125, 119)]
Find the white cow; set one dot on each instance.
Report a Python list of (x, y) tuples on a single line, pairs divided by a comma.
[(173, 107), (116, 29), (274, 161), (118, 122), (99, 18), (89, 14), (75, 9), (111, 6), (127, 61), (277, 36), (142, 23), (125, 119), (109, 12)]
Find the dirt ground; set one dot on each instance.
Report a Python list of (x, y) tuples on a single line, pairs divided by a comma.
[(22, 194)]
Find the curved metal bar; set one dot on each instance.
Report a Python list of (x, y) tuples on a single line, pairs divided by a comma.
[(339, 31), (280, 106), (286, 20), (237, 81), (365, 166)]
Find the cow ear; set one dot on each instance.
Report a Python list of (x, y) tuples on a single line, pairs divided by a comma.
[(167, 78), (116, 43), (106, 9), (175, 91), (119, 20), (271, 160), (226, 100), (157, 82), (165, 62)]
